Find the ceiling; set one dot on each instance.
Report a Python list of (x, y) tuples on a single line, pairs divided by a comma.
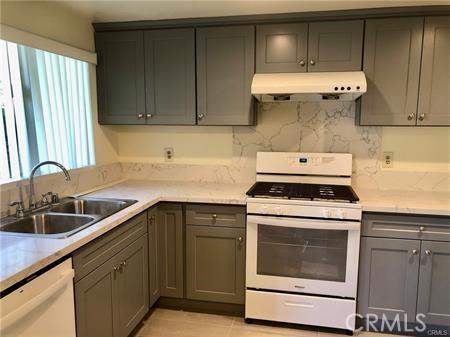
[(127, 10)]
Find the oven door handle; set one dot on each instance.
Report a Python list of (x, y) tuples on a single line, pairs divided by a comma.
[(304, 223)]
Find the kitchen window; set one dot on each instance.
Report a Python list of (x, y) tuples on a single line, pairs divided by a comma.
[(46, 111)]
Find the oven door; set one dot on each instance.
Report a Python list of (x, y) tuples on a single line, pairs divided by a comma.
[(303, 255)]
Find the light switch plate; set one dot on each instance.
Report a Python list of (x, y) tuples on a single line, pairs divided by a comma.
[(168, 154), (388, 160)]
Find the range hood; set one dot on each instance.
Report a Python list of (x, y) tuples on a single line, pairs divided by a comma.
[(309, 87)]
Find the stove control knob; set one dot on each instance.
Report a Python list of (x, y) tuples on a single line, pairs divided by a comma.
[(278, 210), (326, 213), (340, 214), (264, 209)]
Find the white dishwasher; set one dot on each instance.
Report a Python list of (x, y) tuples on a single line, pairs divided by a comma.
[(43, 307)]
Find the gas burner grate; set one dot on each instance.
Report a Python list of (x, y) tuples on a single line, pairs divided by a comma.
[(303, 191)]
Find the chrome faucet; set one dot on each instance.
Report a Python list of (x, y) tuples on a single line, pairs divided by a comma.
[(32, 201)]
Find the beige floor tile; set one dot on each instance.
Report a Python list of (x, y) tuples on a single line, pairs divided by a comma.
[(172, 328), (186, 316), (272, 329)]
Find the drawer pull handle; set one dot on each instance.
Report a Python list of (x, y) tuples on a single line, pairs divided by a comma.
[(428, 252), (421, 229), (240, 239), (414, 252), (301, 305), (299, 287)]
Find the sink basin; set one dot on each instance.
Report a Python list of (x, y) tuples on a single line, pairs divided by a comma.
[(47, 224), (91, 206), (65, 219)]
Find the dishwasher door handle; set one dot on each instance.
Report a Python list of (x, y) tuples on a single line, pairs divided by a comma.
[(14, 316)]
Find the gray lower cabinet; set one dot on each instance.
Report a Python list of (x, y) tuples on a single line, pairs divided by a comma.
[(153, 256), (120, 77), (392, 56), (225, 68), (170, 76), (434, 102), (281, 48), (171, 248), (96, 303), (434, 283), (111, 281), (215, 264), (388, 277), (335, 45)]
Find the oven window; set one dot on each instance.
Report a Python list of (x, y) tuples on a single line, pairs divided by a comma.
[(302, 253)]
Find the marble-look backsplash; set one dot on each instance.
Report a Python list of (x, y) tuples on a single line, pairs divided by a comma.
[(81, 180), (305, 127)]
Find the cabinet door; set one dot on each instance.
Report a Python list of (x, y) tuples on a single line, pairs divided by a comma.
[(434, 95), (170, 228), (170, 76), (225, 68), (215, 264), (281, 48), (434, 283), (389, 269), (335, 45), (392, 52), (132, 285), (120, 77), (153, 255), (95, 302)]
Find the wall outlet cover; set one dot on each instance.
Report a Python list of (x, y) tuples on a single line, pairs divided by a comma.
[(388, 160)]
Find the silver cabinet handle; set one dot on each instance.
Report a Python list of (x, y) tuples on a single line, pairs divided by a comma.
[(299, 287), (115, 268), (302, 63), (149, 115), (201, 116), (240, 239), (428, 252), (312, 62), (123, 264), (411, 116), (141, 116), (414, 252), (421, 229), (421, 117)]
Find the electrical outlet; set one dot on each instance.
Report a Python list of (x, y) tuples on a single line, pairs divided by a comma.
[(388, 160), (168, 154)]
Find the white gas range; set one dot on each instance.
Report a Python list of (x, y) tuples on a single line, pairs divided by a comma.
[(303, 233)]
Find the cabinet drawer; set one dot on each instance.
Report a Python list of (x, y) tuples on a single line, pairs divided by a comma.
[(406, 226), (215, 215), (303, 309), (92, 255)]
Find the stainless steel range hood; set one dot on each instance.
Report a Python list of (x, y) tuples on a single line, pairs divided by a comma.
[(309, 87)]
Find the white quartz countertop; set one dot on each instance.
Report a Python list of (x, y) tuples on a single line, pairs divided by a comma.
[(22, 256), (408, 202)]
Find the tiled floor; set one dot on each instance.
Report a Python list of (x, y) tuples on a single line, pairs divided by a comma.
[(174, 323)]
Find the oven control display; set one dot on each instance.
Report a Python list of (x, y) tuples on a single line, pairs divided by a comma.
[(303, 161)]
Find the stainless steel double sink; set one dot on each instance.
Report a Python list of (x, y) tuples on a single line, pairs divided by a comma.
[(68, 217)]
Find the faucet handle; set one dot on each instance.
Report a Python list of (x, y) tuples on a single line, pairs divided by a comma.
[(20, 210), (44, 200)]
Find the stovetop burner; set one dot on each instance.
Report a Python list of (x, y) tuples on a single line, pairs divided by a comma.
[(303, 191)]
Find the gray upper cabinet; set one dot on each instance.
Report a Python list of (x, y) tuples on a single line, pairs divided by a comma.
[(434, 94), (120, 77), (215, 264), (225, 68), (335, 45), (171, 261), (153, 256), (281, 48), (434, 283), (392, 55), (170, 76), (388, 277)]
